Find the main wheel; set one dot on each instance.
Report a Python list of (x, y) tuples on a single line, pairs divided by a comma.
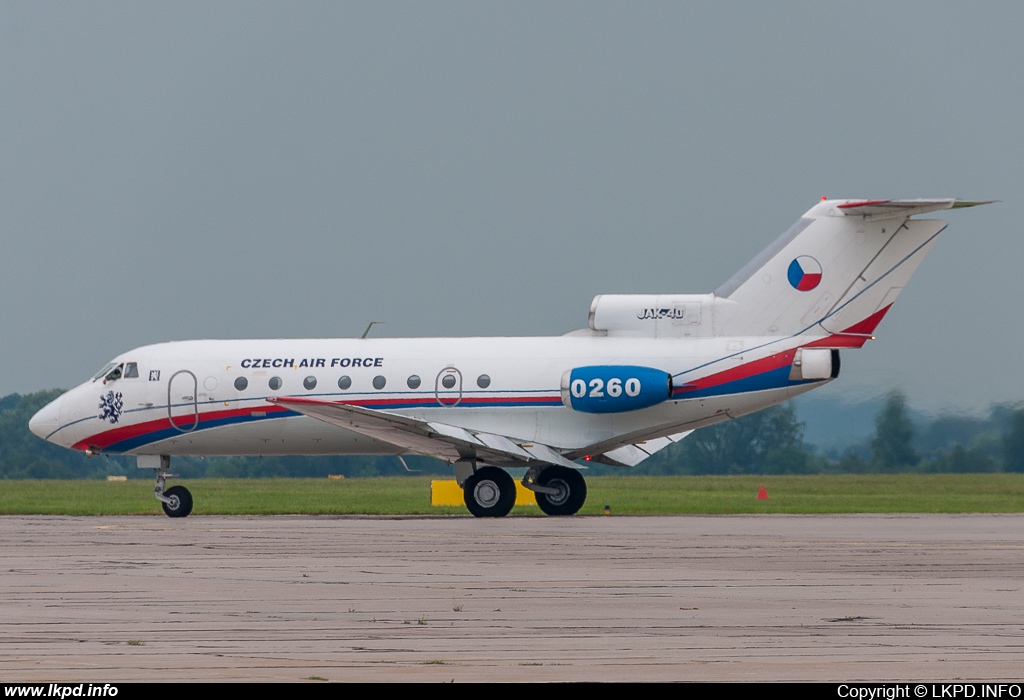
[(181, 502), (570, 491), (489, 493)]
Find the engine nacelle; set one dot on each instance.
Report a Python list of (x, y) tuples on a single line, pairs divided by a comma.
[(815, 363), (658, 315), (614, 388)]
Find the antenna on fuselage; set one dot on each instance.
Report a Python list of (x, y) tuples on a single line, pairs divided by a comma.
[(367, 331)]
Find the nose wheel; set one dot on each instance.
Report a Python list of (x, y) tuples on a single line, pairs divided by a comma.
[(178, 503), (177, 500)]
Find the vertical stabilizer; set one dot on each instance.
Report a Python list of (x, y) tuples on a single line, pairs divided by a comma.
[(841, 266)]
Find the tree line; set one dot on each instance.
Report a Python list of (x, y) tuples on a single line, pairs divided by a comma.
[(767, 442), (771, 442)]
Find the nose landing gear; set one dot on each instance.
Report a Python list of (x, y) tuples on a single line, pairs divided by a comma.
[(177, 500)]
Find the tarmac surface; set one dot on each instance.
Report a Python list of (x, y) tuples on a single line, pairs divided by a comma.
[(605, 598)]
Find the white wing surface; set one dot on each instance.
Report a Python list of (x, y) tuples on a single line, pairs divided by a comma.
[(632, 455), (451, 443), (447, 442)]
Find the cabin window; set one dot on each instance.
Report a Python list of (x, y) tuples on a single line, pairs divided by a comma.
[(241, 383), (379, 381), (345, 383), (413, 381), (448, 381), (131, 370), (483, 381), (309, 383), (275, 383)]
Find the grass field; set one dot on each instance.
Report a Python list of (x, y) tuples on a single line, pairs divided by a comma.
[(626, 495)]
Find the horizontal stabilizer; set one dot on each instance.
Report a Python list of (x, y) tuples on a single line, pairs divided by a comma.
[(875, 209)]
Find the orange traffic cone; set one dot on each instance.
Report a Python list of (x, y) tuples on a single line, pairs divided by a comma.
[(762, 495)]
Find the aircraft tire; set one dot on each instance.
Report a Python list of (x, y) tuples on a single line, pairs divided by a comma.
[(572, 491), (489, 493), (181, 502)]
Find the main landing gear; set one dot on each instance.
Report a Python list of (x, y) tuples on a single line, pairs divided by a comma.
[(490, 492), (564, 491), (177, 500)]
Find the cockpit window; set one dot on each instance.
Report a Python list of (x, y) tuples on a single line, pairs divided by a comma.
[(103, 372), (131, 370), (114, 374)]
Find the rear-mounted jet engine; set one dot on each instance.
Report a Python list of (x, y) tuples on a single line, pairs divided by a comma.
[(614, 388)]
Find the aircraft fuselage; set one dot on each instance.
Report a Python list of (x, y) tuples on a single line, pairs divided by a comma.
[(210, 397)]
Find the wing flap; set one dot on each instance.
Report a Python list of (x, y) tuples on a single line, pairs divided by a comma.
[(503, 444), (546, 454), (632, 455), (454, 432)]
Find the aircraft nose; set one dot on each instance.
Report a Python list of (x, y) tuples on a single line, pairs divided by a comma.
[(47, 419)]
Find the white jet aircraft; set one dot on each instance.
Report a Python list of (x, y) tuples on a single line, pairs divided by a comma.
[(648, 370)]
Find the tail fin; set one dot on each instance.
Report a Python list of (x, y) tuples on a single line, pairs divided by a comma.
[(839, 267)]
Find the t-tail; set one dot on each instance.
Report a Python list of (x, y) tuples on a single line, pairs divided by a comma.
[(834, 273)]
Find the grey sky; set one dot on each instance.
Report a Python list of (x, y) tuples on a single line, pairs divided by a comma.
[(182, 170)]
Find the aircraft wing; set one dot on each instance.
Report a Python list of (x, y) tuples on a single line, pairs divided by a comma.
[(447, 442)]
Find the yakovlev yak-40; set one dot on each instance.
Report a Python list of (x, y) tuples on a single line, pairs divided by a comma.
[(648, 370)]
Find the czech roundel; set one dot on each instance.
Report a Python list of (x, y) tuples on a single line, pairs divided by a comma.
[(804, 273)]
